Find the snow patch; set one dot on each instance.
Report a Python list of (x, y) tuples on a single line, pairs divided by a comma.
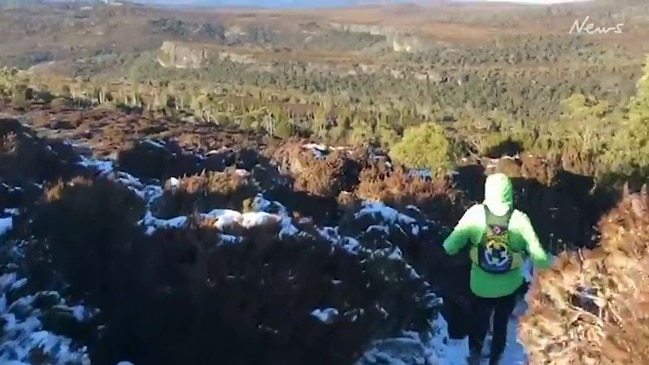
[(327, 315), (411, 349), (22, 331), (388, 214), (6, 224)]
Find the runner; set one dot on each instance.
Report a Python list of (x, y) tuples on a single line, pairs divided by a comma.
[(501, 237)]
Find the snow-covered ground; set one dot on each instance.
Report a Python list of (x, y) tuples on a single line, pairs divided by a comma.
[(21, 330), (440, 350)]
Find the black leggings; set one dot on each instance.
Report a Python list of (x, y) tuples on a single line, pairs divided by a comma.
[(482, 308)]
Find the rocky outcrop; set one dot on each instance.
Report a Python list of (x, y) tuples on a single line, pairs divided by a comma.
[(398, 39), (365, 28), (407, 43), (196, 55), (184, 55)]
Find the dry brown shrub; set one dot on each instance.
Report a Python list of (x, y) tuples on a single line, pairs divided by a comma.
[(348, 202), (324, 174), (25, 158), (254, 298), (326, 177), (323, 210), (592, 306), (243, 158), (181, 290), (206, 191), (538, 168), (509, 166), (578, 162), (437, 197), (110, 131), (75, 229), (148, 160), (210, 136), (533, 167)]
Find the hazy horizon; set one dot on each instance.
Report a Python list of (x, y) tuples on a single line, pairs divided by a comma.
[(326, 4)]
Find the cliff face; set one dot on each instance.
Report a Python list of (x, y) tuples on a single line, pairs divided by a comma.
[(184, 55), (407, 43), (197, 55), (399, 40)]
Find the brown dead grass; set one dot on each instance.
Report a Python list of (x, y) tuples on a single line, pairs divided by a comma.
[(325, 176), (592, 306), (112, 131), (437, 197), (556, 192), (204, 192), (24, 157)]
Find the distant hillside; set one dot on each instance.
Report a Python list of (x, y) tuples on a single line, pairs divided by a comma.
[(331, 3), (274, 3), (14, 4), (278, 4)]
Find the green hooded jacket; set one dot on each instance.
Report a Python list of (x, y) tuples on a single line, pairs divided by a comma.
[(522, 238)]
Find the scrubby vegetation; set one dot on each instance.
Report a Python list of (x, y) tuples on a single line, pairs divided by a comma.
[(283, 198), (591, 306), (139, 246), (253, 283)]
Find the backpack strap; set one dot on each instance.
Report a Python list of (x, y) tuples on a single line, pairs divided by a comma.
[(509, 216), (475, 250)]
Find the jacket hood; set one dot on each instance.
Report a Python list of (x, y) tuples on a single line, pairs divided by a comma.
[(499, 194)]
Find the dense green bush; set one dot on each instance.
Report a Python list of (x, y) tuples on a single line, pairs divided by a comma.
[(424, 146)]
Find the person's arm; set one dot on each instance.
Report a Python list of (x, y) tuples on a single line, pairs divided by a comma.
[(534, 247), (464, 230)]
